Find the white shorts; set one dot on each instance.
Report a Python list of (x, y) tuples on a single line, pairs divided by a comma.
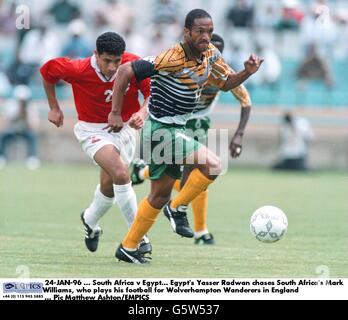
[(92, 138)]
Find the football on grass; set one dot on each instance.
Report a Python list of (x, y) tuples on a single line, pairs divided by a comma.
[(268, 224)]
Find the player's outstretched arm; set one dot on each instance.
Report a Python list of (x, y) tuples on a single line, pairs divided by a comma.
[(55, 115), (122, 80), (252, 65), (242, 95), (236, 142)]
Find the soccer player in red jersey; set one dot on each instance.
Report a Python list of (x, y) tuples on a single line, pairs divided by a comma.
[(92, 81)]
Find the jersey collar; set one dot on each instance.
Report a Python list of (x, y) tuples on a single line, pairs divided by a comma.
[(98, 72), (190, 54)]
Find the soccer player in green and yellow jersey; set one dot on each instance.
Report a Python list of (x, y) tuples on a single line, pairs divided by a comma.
[(178, 76), (198, 125)]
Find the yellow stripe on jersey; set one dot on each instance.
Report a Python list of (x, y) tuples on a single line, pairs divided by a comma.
[(209, 97), (171, 60), (177, 86)]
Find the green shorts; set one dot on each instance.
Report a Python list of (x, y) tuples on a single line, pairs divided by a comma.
[(164, 148), (198, 129)]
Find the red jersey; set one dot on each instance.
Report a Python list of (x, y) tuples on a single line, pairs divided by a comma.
[(92, 91)]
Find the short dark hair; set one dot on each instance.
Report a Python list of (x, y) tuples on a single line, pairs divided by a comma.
[(110, 43), (218, 41), (195, 14)]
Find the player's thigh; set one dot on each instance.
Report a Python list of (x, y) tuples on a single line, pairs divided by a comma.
[(109, 159), (203, 157), (93, 138)]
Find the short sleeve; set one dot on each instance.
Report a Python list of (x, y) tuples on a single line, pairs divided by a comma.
[(60, 69), (170, 61), (167, 62), (143, 69), (220, 70)]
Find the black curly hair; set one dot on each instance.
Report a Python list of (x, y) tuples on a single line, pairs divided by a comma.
[(110, 43)]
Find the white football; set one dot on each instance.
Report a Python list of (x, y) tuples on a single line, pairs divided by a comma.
[(268, 224)]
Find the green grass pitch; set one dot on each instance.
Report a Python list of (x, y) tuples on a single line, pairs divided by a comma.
[(41, 232)]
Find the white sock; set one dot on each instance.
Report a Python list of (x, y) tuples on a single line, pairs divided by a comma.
[(100, 205), (130, 249), (201, 233), (127, 201)]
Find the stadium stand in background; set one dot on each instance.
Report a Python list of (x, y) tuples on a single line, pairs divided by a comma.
[(284, 32)]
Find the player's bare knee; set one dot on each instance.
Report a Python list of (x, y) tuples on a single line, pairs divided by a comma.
[(121, 176), (212, 169), (215, 167), (158, 200)]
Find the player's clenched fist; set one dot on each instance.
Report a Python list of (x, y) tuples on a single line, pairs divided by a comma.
[(253, 64), (115, 123), (236, 146), (136, 121), (56, 116)]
